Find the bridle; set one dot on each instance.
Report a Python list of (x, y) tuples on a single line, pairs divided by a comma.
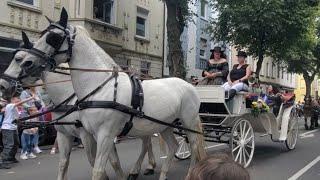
[(47, 61)]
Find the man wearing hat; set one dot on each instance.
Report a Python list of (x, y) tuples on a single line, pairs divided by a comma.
[(217, 68), (238, 77)]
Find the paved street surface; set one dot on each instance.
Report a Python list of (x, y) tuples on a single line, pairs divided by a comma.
[(271, 161)]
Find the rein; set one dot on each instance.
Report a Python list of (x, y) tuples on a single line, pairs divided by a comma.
[(146, 76), (42, 84)]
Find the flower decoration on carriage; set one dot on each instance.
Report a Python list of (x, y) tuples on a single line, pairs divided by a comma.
[(258, 107)]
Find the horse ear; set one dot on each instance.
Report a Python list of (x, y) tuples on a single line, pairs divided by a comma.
[(26, 40), (49, 20), (63, 18)]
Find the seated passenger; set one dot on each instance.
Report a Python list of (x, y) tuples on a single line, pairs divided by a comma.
[(217, 69), (273, 99), (238, 77)]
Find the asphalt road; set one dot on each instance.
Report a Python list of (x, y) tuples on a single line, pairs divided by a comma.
[(271, 161)]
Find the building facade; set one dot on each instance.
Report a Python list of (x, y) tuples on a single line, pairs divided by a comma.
[(300, 90), (131, 31)]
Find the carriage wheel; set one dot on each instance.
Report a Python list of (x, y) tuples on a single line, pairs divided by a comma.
[(293, 131), (242, 142), (184, 151)]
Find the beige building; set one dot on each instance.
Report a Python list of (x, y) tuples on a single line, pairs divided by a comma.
[(131, 31)]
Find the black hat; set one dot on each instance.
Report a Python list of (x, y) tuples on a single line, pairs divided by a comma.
[(216, 49), (242, 54)]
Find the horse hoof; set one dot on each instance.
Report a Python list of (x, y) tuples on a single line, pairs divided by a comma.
[(149, 172), (133, 176)]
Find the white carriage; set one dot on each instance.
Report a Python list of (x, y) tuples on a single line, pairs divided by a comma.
[(235, 124)]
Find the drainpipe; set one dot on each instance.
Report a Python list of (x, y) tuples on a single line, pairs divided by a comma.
[(163, 38)]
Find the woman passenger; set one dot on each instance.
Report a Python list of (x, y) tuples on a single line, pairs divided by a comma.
[(238, 77), (217, 69)]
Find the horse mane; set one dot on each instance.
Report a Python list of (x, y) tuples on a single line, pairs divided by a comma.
[(81, 31)]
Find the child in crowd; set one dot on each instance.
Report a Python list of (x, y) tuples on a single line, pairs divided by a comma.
[(27, 137), (9, 130), (218, 167)]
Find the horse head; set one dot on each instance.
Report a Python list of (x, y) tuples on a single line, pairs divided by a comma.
[(11, 79), (53, 48)]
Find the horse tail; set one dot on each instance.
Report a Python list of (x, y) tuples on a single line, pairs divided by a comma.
[(200, 152)]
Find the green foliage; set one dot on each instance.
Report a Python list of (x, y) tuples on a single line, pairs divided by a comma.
[(262, 27)]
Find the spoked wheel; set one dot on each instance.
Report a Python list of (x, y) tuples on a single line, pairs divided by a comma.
[(184, 151), (293, 131), (242, 142)]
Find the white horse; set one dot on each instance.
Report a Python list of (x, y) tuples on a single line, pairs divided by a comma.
[(164, 99), (66, 133)]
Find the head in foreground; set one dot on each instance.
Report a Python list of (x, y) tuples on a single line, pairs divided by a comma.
[(218, 167)]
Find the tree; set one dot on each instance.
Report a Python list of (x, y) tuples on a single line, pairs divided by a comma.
[(261, 27), (178, 14), (303, 56)]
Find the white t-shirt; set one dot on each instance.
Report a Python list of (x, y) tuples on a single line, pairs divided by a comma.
[(10, 114)]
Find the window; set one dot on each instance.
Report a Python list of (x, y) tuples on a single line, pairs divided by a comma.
[(203, 47), (272, 70), (103, 10), (145, 67), (123, 63), (30, 2), (282, 73), (278, 74), (203, 64), (267, 69), (141, 24), (203, 8)]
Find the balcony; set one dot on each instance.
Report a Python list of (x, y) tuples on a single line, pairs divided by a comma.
[(105, 34)]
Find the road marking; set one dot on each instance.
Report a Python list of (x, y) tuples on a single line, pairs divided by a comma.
[(308, 134), (305, 169), (209, 147), (217, 145)]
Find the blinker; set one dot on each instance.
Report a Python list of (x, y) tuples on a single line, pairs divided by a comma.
[(55, 40)]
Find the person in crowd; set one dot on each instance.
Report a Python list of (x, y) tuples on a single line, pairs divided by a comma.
[(55, 147), (9, 130), (194, 80), (38, 103), (27, 137), (218, 167), (2, 105), (238, 77), (217, 69)]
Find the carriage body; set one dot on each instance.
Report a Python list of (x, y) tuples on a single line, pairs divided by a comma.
[(234, 123)]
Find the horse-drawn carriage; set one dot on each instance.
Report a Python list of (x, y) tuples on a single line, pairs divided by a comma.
[(234, 123)]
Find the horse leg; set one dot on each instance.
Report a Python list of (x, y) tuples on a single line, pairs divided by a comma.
[(65, 147), (115, 163), (90, 146), (134, 173), (104, 148), (152, 162), (172, 143)]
